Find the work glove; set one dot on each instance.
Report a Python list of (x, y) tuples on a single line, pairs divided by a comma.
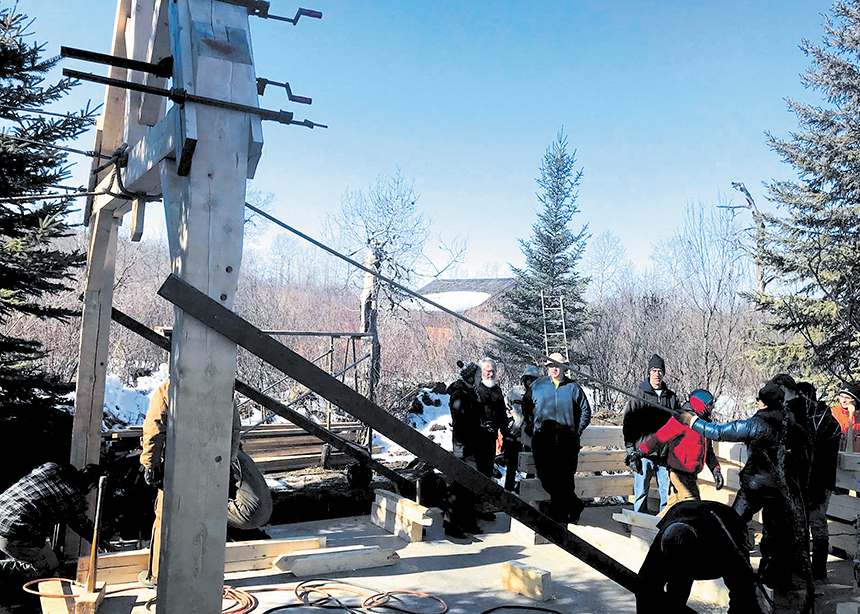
[(719, 482), (154, 476), (633, 459)]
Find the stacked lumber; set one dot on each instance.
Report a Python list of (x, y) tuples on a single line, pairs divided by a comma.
[(404, 517), (844, 508), (278, 447), (124, 567)]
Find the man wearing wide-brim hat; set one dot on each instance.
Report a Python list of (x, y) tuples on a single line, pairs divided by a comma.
[(844, 413), (556, 412)]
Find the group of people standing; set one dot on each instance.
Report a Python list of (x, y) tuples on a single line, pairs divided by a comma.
[(545, 414)]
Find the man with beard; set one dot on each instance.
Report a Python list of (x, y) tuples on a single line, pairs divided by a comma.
[(493, 418)]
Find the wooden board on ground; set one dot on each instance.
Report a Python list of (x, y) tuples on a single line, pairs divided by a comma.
[(402, 506), (56, 605), (527, 580), (843, 507), (636, 519), (396, 524), (843, 536), (333, 560), (123, 567)]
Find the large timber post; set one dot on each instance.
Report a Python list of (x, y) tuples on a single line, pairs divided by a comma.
[(211, 47)]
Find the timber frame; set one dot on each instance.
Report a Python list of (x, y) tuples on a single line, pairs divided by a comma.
[(200, 175)]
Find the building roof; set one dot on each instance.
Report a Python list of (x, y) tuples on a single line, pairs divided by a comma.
[(491, 286)]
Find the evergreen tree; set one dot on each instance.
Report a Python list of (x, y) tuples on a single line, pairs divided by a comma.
[(812, 252), (35, 421), (552, 256)]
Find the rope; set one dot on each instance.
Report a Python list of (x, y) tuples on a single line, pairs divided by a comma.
[(119, 160), (490, 331)]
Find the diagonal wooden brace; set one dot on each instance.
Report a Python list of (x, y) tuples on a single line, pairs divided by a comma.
[(241, 332)]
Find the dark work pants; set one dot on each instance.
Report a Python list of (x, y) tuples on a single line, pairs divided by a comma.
[(512, 460), (556, 454)]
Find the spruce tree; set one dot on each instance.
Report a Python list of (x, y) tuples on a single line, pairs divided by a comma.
[(35, 419), (812, 249), (552, 255)]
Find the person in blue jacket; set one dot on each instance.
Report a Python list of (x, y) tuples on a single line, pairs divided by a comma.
[(555, 413)]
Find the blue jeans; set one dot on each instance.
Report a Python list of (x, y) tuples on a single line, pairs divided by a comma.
[(642, 483)]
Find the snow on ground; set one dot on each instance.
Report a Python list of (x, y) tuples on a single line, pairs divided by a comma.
[(434, 423)]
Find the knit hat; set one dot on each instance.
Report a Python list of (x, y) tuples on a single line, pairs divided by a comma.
[(656, 362), (852, 390), (771, 395), (785, 380), (467, 371), (700, 399), (530, 371)]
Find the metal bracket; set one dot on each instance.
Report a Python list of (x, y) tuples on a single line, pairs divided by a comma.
[(259, 8), (261, 88)]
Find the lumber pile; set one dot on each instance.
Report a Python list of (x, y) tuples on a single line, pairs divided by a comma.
[(404, 517), (124, 567)]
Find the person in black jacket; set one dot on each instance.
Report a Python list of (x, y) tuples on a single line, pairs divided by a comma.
[(641, 421), (769, 481), (466, 437), (697, 540), (825, 434), (556, 412), (493, 420)]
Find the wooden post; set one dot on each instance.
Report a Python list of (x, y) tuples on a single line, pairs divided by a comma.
[(93, 353), (205, 213)]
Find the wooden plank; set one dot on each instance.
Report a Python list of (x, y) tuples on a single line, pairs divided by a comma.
[(589, 461), (122, 567), (334, 560), (56, 605), (210, 312), (636, 519), (137, 34), (843, 537), (394, 523), (731, 451), (843, 507), (587, 487), (847, 479), (526, 580), (602, 436), (526, 534), (849, 461), (402, 505)]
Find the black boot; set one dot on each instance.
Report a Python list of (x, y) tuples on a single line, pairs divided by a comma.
[(820, 548)]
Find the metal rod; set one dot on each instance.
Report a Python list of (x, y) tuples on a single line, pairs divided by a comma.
[(94, 546), (86, 120), (88, 153), (180, 96), (307, 394), (163, 69), (280, 381)]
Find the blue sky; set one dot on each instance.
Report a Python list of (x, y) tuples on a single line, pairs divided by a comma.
[(665, 102)]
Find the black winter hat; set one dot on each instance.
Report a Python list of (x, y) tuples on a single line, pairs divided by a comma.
[(656, 362), (785, 380), (852, 390), (771, 395), (467, 371)]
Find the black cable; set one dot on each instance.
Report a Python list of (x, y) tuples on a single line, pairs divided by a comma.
[(528, 608), (521, 346), (41, 112), (89, 154)]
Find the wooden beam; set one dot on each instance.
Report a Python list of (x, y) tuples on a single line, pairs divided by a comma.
[(93, 350), (334, 560), (210, 312), (151, 106), (142, 174), (338, 442)]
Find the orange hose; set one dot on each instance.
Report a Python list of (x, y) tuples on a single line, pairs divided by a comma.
[(27, 588)]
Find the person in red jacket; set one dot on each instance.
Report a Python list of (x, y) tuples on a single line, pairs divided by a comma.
[(684, 451)]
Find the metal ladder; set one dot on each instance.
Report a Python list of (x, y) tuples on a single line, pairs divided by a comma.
[(554, 327)]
